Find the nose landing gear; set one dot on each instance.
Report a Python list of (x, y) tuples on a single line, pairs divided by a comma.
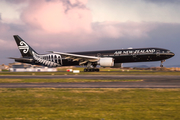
[(162, 63)]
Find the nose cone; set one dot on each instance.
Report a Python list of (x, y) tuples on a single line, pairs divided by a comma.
[(172, 54)]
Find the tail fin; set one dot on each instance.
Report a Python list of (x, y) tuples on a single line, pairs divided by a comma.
[(24, 48)]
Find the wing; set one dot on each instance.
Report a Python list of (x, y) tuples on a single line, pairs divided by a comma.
[(75, 57)]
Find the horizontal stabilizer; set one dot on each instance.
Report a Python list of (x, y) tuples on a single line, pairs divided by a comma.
[(21, 59)]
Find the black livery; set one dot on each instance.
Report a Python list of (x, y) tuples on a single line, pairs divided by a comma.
[(106, 58)]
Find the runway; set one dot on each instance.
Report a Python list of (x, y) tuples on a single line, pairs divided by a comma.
[(148, 81)]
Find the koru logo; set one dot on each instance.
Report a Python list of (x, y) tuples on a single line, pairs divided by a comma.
[(23, 46)]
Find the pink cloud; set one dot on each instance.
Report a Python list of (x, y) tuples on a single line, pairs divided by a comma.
[(3, 28), (66, 25), (81, 2), (58, 17), (55, 22)]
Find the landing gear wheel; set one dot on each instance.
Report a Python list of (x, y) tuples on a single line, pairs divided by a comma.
[(96, 70), (161, 65), (91, 70)]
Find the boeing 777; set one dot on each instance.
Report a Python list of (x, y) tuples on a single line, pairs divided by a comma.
[(90, 59)]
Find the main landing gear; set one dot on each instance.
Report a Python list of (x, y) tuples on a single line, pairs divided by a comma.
[(162, 63), (91, 68)]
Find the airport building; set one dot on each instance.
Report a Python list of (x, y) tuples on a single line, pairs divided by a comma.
[(18, 67), (4, 67)]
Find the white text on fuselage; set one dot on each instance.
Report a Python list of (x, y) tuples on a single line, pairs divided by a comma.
[(135, 51)]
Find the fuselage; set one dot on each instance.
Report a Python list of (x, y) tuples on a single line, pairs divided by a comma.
[(126, 55), (119, 56), (104, 58)]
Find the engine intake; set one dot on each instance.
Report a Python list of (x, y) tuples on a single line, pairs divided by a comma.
[(106, 62)]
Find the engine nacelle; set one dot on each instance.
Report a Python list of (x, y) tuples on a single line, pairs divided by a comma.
[(106, 62)]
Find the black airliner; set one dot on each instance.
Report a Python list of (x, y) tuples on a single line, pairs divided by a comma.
[(90, 59)]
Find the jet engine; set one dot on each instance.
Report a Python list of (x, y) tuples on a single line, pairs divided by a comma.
[(106, 62)]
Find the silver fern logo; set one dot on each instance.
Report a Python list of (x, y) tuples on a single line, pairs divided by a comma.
[(23, 46), (52, 60)]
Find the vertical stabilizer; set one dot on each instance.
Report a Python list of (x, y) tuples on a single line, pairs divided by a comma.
[(24, 48)]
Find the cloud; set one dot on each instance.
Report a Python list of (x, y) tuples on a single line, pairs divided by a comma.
[(119, 30), (164, 1), (135, 10), (15, 1), (70, 22), (3, 29), (67, 25), (58, 16)]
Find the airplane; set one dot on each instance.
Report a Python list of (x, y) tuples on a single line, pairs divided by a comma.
[(90, 59)]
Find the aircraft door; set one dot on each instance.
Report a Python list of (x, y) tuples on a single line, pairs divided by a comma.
[(158, 53), (134, 55)]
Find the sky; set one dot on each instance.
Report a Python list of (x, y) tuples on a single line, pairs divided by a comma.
[(85, 25)]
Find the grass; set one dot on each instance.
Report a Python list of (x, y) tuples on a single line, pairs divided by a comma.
[(144, 72), (64, 80), (89, 104)]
